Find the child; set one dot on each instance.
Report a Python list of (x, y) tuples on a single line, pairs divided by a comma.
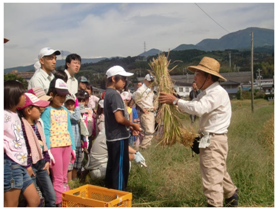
[(136, 139), (60, 74), (39, 92), (116, 132), (100, 116), (93, 100), (16, 177), (87, 116), (97, 164), (38, 158), (58, 136), (126, 97), (74, 111)]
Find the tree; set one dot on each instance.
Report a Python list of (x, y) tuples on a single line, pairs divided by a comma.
[(8, 77)]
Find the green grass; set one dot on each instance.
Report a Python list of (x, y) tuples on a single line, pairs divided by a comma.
[(173, 178)]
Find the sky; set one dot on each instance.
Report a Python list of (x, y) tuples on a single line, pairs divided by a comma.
[(95, 30)]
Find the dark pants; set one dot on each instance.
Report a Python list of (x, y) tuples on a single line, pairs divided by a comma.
[(118, 165), (43, 181)]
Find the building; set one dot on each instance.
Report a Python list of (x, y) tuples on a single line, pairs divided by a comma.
[(25, 75), (231, 87)]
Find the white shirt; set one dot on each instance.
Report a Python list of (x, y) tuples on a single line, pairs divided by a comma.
[(41, 79), (144, 97), (213, 108), (72, 83)]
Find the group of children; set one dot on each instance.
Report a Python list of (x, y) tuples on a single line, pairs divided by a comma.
[(43, 132)]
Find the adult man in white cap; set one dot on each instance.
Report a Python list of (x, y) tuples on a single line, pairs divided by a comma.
[(144, 98), (43, 76), (213, 107)]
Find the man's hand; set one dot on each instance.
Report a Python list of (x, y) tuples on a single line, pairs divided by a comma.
[(145, 111), (30, 171), (166, 98)]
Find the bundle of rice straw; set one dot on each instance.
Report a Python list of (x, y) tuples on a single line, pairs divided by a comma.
[(170, 119)]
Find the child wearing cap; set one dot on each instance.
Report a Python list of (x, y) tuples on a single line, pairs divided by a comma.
[(71, 103), (136, 136), (38, 160), (100, 116), (116, 130), (97, 162), (126, 97), (87, 115), (39, 92), (58, 136), (16, 178)]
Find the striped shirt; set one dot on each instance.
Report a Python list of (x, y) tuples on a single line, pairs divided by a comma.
[(29, 157)]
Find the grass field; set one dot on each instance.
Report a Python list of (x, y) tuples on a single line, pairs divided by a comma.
[(173, 177)]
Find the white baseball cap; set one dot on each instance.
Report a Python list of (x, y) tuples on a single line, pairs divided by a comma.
[(60, 86), (47, 51), (149, 78), (101, 103), (117, 70)]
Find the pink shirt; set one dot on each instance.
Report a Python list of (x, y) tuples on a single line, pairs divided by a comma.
[(14, 142), (93, 100)]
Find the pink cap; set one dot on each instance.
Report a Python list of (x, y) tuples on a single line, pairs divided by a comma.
[(31, 99)]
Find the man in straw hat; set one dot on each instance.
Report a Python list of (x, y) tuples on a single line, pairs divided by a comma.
[(213, 107)]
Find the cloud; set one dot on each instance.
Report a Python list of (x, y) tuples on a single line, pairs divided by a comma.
[(102, 29)]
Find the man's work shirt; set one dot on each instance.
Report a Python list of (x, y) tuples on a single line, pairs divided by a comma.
[(144, 97), (212, 106), (41, 79), (72, 83)]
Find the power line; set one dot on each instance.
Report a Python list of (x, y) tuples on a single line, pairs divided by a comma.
[(212, 18)]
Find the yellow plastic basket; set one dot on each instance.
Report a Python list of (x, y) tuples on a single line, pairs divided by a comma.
[(94, 196)]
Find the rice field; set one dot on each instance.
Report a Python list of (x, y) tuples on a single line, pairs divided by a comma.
[(173, 177)]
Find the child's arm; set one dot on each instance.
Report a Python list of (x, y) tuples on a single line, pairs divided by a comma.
[(131, 116), (75, 117), (46, 119), (70, 130), (122, 120)]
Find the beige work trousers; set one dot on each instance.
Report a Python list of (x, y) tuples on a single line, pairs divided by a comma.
[(147, 122), (216, 182)]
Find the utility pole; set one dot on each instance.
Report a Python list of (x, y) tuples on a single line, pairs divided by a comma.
[(252, 73), (144, 47), (230, 65)]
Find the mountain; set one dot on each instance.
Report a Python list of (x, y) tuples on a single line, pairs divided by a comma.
[(187, 47), (58, 63), (150, 52), (239, 40)]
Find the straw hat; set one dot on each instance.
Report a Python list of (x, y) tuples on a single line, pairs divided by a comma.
[(208, 65)]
